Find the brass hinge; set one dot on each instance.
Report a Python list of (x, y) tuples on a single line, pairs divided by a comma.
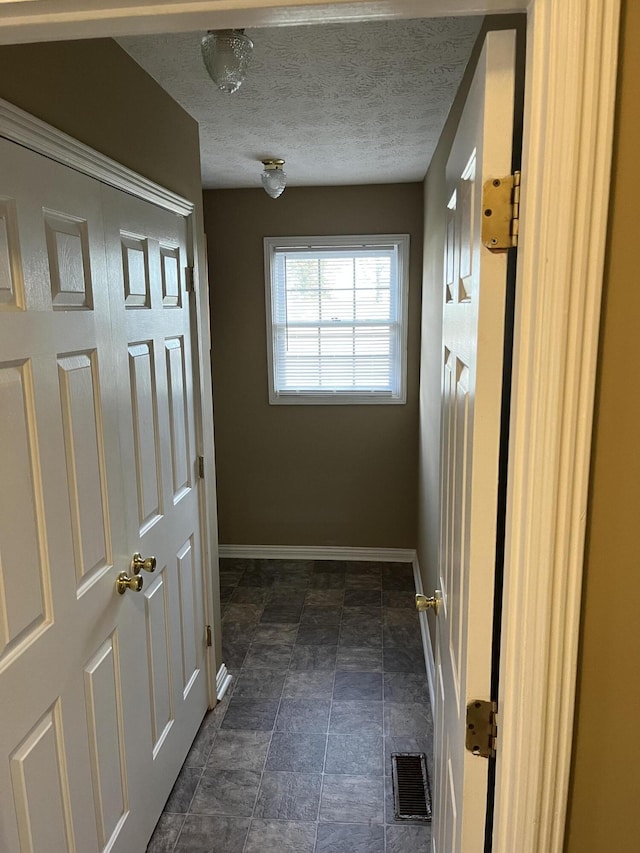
[(482, 728), (209, 640), (201, 467), (501, 212), (189, 278)]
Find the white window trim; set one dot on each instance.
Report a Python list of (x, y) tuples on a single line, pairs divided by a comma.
[(306, 398)]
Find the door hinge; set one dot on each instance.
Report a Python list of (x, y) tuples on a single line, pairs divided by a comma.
[(209, 640), (189, 278), (482, 728), (201, 467), (501, 212)]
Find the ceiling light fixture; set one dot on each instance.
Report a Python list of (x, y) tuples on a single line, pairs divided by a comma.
[(274, 179), (226, 55)]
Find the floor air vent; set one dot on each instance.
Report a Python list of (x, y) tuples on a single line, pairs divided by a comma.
[(411, 795)]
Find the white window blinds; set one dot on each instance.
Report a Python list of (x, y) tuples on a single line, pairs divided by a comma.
[(337, 318)]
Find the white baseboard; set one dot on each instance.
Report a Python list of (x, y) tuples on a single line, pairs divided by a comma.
[(223, 680), (426, 637), (304, 552)]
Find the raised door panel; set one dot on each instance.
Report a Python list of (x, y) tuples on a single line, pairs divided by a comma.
[(170, 271), (40, 788), (178, 416), (159, 657), (104, 701), (135, 265), (86, 471), (11, 283), (69, 262), (25, 605)]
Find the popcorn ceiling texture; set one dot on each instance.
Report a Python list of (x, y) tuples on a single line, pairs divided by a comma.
[(342, 104)]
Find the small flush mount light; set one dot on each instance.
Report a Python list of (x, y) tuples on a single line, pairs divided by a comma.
[(226, 55), (274, 179)]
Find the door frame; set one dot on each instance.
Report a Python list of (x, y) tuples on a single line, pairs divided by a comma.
[(29, 131), (572, 48)]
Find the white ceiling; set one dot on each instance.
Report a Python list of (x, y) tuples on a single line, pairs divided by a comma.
[(341, 104)]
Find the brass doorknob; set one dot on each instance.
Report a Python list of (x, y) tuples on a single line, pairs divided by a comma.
[(138, 562), (426, 602), (124, 582)]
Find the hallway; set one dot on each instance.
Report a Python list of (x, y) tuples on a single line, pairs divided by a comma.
[(329, 680)]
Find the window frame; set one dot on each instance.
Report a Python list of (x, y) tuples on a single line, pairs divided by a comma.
[(333, 242)]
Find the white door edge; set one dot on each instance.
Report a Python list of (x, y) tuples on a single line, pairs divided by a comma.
[(569, 112), (29, 131)]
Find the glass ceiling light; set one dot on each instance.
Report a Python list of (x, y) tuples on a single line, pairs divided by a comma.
[(274, 179), (226, 55)]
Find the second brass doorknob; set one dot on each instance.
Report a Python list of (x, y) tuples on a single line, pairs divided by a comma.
[(138, 563)]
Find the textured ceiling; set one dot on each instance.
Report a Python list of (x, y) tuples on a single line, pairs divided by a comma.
[(341, 104)]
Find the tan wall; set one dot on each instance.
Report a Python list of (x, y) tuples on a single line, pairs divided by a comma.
[(604, 805), (96, 93), (305, 475)]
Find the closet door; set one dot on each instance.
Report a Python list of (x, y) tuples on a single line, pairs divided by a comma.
[(101, 692), (152, 321)]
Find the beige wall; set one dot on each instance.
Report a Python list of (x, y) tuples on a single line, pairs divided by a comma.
[(96, 93), (604, 805), (305, 475)]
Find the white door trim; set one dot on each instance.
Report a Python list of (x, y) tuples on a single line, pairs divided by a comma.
[(571, 80), (26, 130)]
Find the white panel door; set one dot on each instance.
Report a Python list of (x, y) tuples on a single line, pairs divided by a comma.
[(152, 318), (474, 291), (93, 685)]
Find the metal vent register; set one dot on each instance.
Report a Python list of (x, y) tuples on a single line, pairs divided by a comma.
[(411, 794)]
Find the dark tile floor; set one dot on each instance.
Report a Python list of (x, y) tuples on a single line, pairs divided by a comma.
[(329, 680)]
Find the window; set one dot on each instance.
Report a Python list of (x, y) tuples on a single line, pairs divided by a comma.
[(337, 318)]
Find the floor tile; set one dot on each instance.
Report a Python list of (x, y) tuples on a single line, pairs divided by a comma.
[(406, 636), (315, 684), (289, 796), (271, 633), (252, 714), (354, 659), (327, 580), (362, 598), (398, 576), (358, 685), (352, 799), (226, 792), (406, 744), (328, 614), (354, 755), (166, 833), (201, 746), (359, 613), (230, 577), (350, 838), (234, 653), (313, 657), (406, 687), (407, 719), (213, 834), (290, 582), (296, 753), (183, 790), (239, 750), (364, 567), (318, 635), (239, 564), (250, 595), (361, 633), (282, 613), (350, 717), (256, 577), (403, 660), (303, 715), (399, 598), (268, 655), (259, 683), (270, 836), (329, 567), (225, 593), (400, 839), (362, 582), (324, 597), (290, 567)]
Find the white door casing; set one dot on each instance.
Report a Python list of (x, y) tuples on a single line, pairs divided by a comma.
[(474, 292), (102, 693)]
